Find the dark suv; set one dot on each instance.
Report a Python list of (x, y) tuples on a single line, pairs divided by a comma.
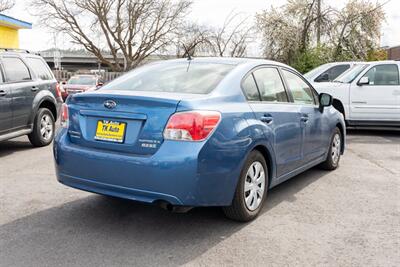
[(30, 97)]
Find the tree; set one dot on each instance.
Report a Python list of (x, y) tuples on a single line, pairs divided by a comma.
[(193, 39), (232, 38), (6, 4), (292, 28), (356, 30), (127, 29), (306, 33)]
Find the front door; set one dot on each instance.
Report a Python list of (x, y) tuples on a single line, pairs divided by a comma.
[(313, 147), (22, 90), (378, 100)]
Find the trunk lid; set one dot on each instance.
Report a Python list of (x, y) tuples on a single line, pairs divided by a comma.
[(144, 115)]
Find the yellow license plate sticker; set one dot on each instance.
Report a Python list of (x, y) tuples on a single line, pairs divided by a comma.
[(112, 131)]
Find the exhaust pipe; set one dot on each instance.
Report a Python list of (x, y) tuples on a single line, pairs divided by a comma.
[(171, 208)]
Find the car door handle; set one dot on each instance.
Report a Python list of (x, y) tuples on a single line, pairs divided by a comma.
[(34, 88), (3, 93), (266, 118), (396, 92)]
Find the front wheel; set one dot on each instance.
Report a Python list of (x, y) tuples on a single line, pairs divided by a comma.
[(335, 151), (251, 190), (43, 128)]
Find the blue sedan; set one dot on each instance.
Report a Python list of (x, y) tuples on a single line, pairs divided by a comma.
[(200, 132)]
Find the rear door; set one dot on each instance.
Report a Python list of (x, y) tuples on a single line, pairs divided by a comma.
[(5, 106), (378, 100), (280, 119), (22, 89), (306, 100), (43, 76)]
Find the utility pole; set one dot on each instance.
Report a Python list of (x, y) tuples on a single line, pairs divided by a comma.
[(318, 22)]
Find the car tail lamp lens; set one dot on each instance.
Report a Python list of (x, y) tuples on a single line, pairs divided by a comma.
[(191, 126), (64, 116), (58, 90)]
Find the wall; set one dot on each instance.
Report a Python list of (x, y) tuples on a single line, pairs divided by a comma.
[(8, 37), (394, 53)]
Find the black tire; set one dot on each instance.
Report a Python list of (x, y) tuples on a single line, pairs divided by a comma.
[(331, 163), (238, 210), (36, 138)]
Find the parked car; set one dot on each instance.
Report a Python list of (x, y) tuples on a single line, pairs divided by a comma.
[(368, 94), (29, 97), (81, 83), (203, 132), (328, 72)]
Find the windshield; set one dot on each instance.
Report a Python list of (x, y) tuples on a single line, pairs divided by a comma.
[(182, 77), (82, 80), (316, 71), (349, 75)]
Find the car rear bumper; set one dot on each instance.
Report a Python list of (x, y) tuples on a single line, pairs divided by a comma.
[(173, 174)]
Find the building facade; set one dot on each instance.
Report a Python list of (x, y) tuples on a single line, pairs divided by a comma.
[(9, 27), (394, 52)]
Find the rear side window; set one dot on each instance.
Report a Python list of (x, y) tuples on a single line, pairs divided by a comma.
[(332, 73), (190, 77), (15, 69), (299, 89), (250, 89), (270, 85), (383, 75), (40, 68)]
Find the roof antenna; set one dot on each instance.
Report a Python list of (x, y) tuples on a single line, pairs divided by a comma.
[(189, 57)]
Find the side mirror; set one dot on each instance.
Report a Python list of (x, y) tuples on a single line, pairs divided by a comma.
[(99, 84), (363, 81), (325, 100), (322, 78)]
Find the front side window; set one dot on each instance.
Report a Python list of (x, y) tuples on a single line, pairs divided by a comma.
[(301, 92), (188, 77), (270, 85), (15, 69), (383, 75), (250, 89), (332, 73), (40, 68)]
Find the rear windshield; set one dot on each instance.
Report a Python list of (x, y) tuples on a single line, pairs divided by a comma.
[(192, 78), (83, 80)]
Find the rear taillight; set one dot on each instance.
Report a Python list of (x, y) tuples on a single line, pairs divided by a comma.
[(64, 116), (58, 90), (192, 125)]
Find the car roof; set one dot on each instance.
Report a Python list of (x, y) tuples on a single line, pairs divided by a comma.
[(226, 60)]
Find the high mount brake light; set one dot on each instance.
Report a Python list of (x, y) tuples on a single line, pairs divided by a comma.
[(64, 118), (191, 125)]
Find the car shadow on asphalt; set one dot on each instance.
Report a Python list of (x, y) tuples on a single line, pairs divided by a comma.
[(11, 146), (98, 230)]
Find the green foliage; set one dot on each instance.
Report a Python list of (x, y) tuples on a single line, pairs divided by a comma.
[(311, 58), (377, 54)]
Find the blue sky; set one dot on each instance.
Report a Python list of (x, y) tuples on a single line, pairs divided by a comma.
[(203, 11)]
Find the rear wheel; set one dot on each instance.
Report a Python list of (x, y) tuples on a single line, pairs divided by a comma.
[(251, 190), (43, 128), (335, 150)]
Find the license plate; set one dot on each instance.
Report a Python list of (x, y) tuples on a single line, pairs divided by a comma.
[(111, 131)]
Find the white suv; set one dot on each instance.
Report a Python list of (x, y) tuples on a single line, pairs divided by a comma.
[(368, 94), (328, 72)]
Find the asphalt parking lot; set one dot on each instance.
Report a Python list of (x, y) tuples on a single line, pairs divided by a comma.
[(349, 217)]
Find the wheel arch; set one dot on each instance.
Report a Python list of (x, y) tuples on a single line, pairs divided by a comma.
[(342, 133), (337, 104), (268, 159)]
